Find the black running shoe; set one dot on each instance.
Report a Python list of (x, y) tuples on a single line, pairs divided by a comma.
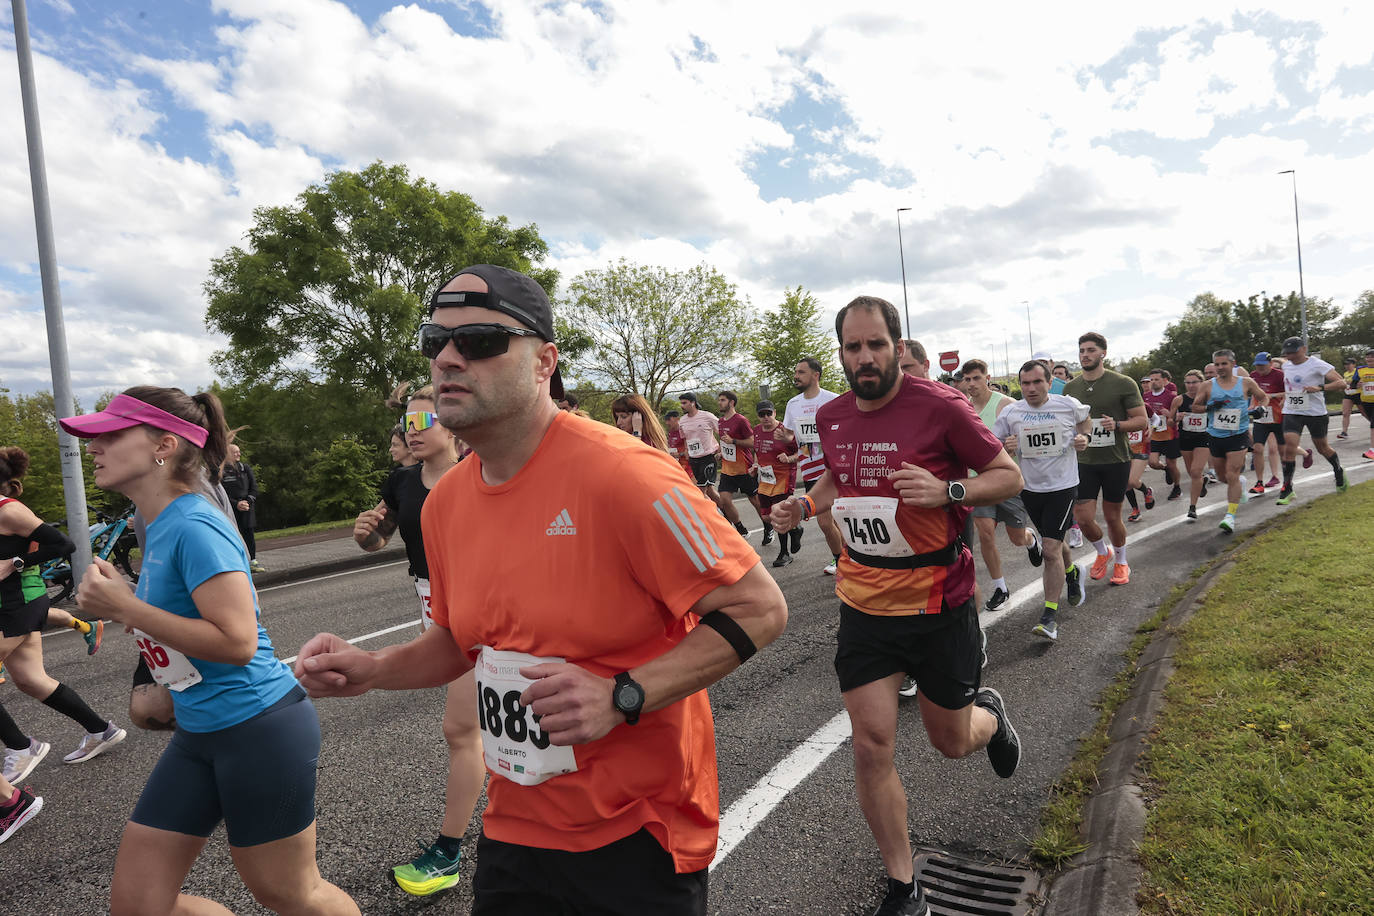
[(1176, 492), (739, 526), (1036, 552), (1004, 750), (1074, 580), (783, 559), (999, 598), (767, 535), (900, 903)]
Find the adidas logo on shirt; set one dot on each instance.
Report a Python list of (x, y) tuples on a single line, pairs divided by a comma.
[(562, 524)]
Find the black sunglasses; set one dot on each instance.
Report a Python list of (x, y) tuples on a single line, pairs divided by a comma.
[(765, 413), (473, 341)]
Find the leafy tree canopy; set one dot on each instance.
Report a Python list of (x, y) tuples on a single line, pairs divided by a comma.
[(334, 286), (780, 339), (1244, 325)]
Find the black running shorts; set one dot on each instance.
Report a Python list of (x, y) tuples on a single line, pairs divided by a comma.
[(25, 618), (943, 652), (1222, 446), (630, 877), (1368, 408), (258, 777), (1296, 423), (1108, 480), (1262, 432), (1051, 513), (739, 483), (1187, 442), (1167, 447), (704, 470)]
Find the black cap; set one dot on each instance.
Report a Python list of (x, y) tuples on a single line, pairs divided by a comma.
[(1293, 345), (511, 292), (764, 405)]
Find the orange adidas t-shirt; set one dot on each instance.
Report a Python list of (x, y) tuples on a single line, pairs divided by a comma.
[(594, 552)]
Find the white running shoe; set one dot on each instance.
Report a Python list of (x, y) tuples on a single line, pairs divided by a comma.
[(1228, 523), (19, 764), (908, 688), (829, 570), (1244, 489), (96, 744), (1074, 537)]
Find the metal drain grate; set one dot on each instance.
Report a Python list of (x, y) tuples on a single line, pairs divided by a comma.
[(956, 886)]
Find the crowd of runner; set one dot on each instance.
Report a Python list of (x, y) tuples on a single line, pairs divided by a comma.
[(577, 695)]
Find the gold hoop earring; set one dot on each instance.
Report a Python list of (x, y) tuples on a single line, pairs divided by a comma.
[(159, 461)]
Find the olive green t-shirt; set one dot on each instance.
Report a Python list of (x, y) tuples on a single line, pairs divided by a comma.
[(1112, 395)]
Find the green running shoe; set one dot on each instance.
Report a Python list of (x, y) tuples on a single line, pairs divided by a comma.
[(1285, 497), (428, 873)]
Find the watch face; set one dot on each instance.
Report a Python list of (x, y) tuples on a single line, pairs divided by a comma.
[(628, 696)]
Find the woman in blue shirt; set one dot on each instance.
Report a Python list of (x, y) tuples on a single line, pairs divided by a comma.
[(247, 740)]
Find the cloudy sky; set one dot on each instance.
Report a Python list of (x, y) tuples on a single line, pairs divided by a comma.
[(1102, 162)]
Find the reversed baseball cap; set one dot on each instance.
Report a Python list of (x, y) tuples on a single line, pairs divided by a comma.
[(1261, 358), (124, 411), (510, 292), (1293, 345)]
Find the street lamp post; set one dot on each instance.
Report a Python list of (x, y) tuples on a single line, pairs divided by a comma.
[(1029, 338), (901, 252), (1297, 229)]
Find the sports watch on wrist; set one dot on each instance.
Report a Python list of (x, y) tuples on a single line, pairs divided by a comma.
[(955, 491), (18, 564), (628, 697)]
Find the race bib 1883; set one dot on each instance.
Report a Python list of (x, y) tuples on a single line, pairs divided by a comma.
[(513, 745)]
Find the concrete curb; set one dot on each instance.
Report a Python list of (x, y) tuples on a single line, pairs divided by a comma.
[(363, 559), (1103, 879)]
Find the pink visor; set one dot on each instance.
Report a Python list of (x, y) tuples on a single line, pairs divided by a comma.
[(124, 412)]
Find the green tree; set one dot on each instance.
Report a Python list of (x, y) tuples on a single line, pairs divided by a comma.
[(1244, 325), (654, 330), (780, 339), (341, 480), (30, 422), (1356, 328), (334, 287)]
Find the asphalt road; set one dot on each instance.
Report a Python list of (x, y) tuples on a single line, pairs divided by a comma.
[(381, 782)]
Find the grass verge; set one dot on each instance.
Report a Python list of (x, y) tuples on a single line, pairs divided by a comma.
[(302, 529), (1261, 768)]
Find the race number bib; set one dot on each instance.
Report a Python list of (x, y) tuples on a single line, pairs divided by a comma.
[(869, 525), (767, 474), (1099, 437), (695, 448), (1227, 420), (729, 451), (1043, 441), (1266, 415), (1367, 389), (807, 433), (1194, 422), (1298, 401), (170, 668), (426, 606), (1135, 436), (513, 745)]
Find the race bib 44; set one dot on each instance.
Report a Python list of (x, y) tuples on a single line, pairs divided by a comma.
[(513, 745)]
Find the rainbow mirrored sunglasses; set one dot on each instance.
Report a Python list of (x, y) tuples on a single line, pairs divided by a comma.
[(418, 420)]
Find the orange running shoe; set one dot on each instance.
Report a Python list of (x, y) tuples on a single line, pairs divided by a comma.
[(1100, 564), (1121, 574)]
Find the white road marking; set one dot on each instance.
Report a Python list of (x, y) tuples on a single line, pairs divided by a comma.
[(750, 809)]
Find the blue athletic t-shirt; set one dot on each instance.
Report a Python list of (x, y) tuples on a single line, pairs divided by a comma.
[(188, 543)]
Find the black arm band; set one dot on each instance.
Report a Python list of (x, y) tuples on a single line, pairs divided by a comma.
[(734, 634), (51, 545)]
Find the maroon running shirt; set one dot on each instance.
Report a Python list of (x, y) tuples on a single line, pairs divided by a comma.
[(736, 428), (929, 425)]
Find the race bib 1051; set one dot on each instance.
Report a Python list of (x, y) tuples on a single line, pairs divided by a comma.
[(1043, 441)]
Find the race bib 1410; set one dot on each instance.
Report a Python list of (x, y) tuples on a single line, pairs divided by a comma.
[(869, 525)]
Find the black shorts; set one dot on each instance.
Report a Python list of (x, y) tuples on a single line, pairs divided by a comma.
[(143, 674), (1187, 442), (704, 470), (1110, 480), (1222, 446), (739, 483), (1262, 432), (1296, 423), (630, 877), (1051, 513), (808, 484), (1367, 407), (258, 777), (1166, 447), (943, 652), (25, 618)]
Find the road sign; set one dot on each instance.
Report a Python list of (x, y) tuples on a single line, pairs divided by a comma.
[(949, 360)]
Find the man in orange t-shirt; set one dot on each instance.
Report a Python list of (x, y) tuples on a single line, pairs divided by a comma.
[(596, 609), (897, 453)]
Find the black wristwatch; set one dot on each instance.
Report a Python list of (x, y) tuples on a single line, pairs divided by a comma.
[(955, 491), (18, 564), (628, 697)]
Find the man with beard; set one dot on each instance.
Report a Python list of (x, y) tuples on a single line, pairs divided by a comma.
[(1158, 395), (1104, 467), (605, 766), (800, 417), (897, 453)]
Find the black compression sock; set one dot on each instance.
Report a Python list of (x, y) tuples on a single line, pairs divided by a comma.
[(1168, 476), (449, 846), (66, 701), (1288, 468), (795, 535), (1336, 466), (10, 733), (1130, 498)]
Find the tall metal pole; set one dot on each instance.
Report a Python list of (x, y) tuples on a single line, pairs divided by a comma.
[(906, 307), (1297, 230), (73, 481), (1030, 339)]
